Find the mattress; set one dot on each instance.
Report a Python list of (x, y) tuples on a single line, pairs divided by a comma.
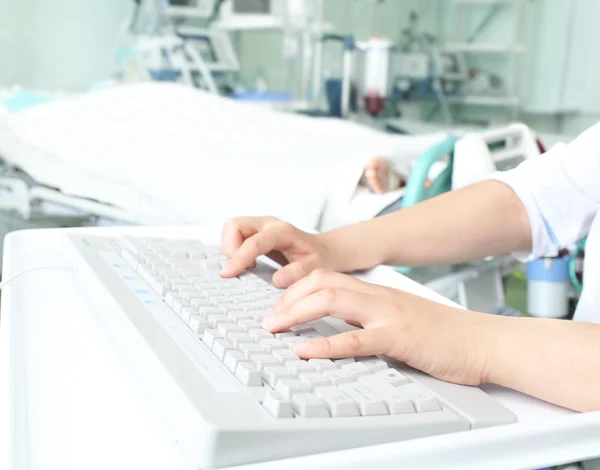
[(166, 153)]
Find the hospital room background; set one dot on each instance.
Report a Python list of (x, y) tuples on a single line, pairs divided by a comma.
[(192, 112)]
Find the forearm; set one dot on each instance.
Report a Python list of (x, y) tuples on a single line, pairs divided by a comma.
[(555, 360), (471, 223)]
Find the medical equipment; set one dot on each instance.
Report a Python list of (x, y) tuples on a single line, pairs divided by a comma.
[(251, 14), (548, 287), (237, 393), (376, 77), (189, 8), (576, 265)]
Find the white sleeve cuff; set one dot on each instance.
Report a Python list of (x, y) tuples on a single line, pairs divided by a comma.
[(541, 237)]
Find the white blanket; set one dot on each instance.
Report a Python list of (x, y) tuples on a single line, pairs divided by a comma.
[(166, 153)]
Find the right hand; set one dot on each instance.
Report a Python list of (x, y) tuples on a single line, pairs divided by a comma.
[(246, 238)]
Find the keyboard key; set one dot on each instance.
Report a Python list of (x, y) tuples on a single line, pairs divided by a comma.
[(170, 298), (311, 335), (299, 366), (259, 333), (189, 295), (220, 347), (343, 362), (238, 337), (373, 363), (302, 327), (258, 295), (356, 369), (368, 403), (248, 325), (288, 387), (209, 336), (271, 344), (257, 315), (248, 306), (187, 291), (277, 406), (200, 302), (237, 315), (210, 265), (263, 360), (285, 334), (272, 374), (314, 379), (186, 313), (284, 355), (337, 377), (178, 305), (211, 292), (289, 342), (214, 319), (423, 399), (339, 404), (232, 358), (130, 258), (396, 401), (309, 405), (227, 307), (247, 349), (248, 374), (226, 328), (321, 365), (197, 324), (393, 376), (207, 311)]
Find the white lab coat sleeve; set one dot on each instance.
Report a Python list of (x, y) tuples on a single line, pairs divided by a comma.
[(560, 191)]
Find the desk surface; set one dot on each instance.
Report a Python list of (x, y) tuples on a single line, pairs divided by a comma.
[(77, 407)]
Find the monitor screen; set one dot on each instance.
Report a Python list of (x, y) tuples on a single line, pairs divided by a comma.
[(252, 7), (203, 4)]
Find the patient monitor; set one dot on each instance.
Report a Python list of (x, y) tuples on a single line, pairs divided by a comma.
[(190, 8)]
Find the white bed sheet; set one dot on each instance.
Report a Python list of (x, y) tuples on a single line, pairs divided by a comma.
[(167, 153)]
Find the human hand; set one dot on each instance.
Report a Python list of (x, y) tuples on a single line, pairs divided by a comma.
[(445, 342), (245, 239)]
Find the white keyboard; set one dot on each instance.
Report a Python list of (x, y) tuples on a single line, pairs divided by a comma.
[(230, 392)]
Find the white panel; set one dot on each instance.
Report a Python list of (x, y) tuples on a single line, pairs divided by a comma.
[(583, 90)]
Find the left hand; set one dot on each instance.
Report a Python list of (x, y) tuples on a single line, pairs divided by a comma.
[(445, 342)]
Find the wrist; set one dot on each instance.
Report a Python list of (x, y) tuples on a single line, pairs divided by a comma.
[(491, 341), (345, 252)]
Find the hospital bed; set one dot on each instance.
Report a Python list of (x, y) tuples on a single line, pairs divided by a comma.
[(39, 187)]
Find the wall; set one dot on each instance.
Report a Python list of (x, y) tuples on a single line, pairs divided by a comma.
[(58, 44)]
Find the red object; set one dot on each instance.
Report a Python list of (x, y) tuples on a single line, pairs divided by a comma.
[(541, 146), (374, 104)]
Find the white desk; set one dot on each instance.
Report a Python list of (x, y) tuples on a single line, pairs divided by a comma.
[(82, 409)]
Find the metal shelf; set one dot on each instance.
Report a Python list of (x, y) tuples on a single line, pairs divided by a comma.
[(508, 101), (486, 2), (485, 48)]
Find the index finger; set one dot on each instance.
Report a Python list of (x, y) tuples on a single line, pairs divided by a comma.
[(258, 244), (235, 231)]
